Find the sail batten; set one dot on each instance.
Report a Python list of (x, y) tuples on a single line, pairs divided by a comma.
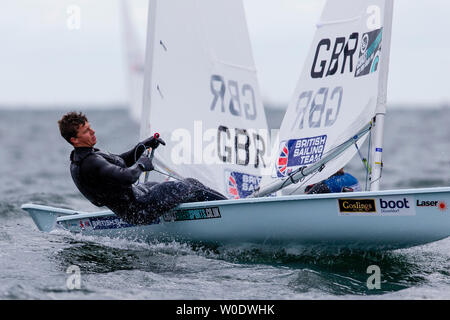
[(321, 24)]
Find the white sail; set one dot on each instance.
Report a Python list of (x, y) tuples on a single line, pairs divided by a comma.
[(134, 62), (201, 94), (339, 88)]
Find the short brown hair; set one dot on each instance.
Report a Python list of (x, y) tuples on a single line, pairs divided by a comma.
[(69, 124)]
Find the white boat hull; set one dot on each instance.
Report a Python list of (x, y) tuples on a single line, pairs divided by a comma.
[(383, 220)]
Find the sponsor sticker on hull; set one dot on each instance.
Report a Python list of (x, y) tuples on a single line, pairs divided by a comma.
[(439, 204), (357, 205), (397, 206), (192, 214), (381, 206), (98, 223), (108, 222)]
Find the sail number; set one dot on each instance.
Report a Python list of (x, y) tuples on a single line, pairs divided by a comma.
[(321, 109), (244, 150), (235, 96), (330, 52), (341, 47)]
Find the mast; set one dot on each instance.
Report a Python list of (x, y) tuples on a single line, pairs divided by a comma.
[(148, 79), (134, 63), (145, 129), (376, 164)]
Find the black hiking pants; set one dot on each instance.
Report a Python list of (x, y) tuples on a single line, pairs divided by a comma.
[(153, 199)]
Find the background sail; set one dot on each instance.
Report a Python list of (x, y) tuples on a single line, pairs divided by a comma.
[(201, 94), (338, 88), (134, 62)]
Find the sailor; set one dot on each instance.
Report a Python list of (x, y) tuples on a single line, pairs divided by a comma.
[(338, 182), (107, 179)]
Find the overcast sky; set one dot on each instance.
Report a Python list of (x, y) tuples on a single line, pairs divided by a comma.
[(44, 62)]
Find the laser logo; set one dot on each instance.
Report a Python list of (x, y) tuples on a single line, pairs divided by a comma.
[(441, 205)]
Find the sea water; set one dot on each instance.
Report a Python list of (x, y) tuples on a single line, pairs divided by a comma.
[(34, 168)]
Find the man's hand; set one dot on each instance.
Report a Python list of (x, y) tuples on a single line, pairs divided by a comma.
[(145, 163), (153, 142), (308, 188)]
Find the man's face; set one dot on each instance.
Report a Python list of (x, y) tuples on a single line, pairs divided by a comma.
[(85, 136)]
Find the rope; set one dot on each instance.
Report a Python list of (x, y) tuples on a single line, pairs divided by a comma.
[(304, 182), (381, 174), (364, 160), (369, 171), (135, 156)]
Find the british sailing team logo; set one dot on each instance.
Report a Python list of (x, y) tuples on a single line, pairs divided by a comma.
[(282, 163), (295, 153), (232, 187), (240, 185)]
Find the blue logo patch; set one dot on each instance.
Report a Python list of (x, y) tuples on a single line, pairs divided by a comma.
[(370, 51), (108, 222), (299, 152), (241, 185), (113, 222)]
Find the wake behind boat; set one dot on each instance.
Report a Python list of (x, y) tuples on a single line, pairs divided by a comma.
[(339, 102)]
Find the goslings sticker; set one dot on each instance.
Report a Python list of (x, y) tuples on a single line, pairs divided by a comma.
[(357, 205), (382, 206)]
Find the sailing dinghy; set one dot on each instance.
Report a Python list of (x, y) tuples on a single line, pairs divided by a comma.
[(201, 68)]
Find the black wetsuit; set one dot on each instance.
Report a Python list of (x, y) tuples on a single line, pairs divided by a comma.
[(107, 180)]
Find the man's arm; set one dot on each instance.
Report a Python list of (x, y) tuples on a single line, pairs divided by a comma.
[(130, 157), (100, 167)]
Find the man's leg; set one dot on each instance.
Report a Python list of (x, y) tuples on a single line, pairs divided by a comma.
[(161, 197), (203, 193)]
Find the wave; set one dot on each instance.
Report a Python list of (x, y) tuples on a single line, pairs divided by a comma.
[(337, 272)]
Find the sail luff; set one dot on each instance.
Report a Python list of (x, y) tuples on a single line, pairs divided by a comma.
[(134, 63), (377, 137), (148, 79), (145, 129), (384, 67)]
